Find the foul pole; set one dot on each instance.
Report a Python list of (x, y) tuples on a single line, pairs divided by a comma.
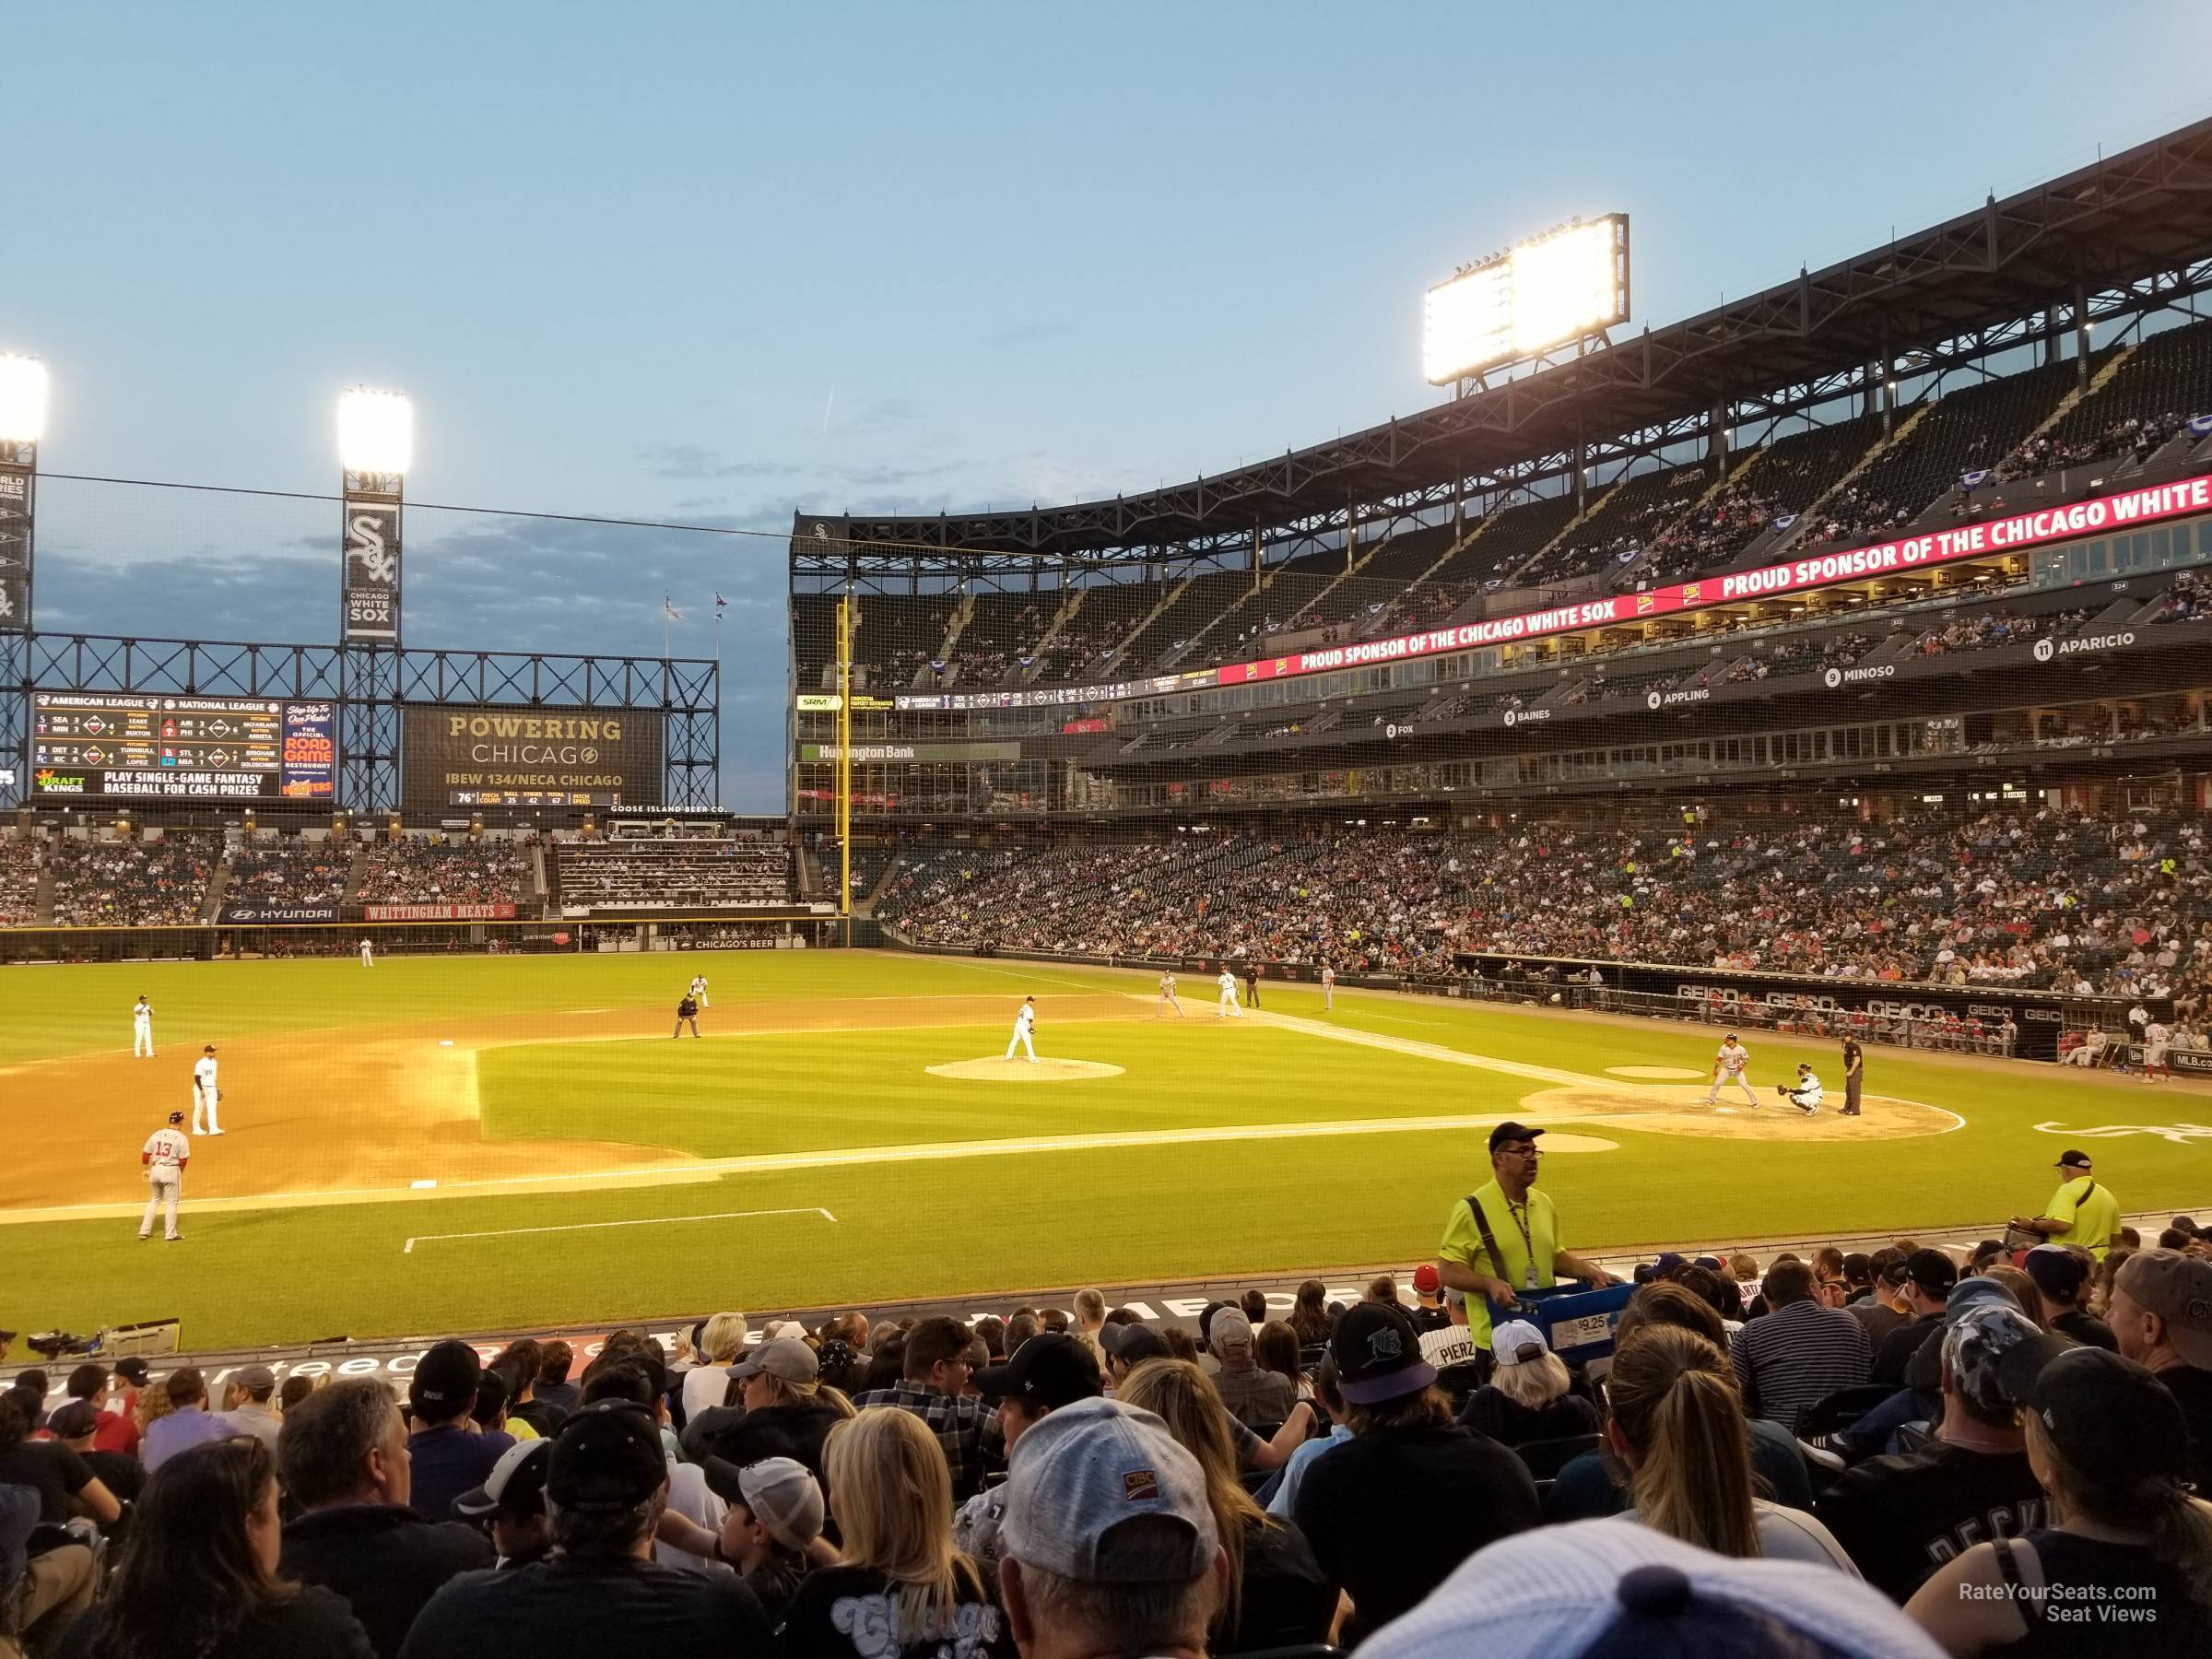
[(844, 764)]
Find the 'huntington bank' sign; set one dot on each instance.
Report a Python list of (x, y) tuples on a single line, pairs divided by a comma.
[(470, 756), (370, 581)]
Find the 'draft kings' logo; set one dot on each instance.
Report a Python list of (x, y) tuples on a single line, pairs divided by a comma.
[(53, 782)]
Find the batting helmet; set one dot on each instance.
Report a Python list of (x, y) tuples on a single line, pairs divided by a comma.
[(176, 1117)]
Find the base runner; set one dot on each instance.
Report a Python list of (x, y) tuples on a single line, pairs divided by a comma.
[(165, 1155), (1025, 1021), (1168, 999), (1728, 1068), (206, 1096)]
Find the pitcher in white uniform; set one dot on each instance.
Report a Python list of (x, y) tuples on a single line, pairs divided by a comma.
[(206, 1096), (1728, 1069), (142, 1029), (1227, 1009), (1025, 1019), (165, 1155)]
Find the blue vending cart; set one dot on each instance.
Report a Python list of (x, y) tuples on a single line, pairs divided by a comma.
[(1577, 1322)]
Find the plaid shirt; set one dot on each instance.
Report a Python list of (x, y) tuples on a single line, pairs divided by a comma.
[(965, 1425)]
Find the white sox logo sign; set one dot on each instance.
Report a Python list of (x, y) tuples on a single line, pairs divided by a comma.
[(371, 567)]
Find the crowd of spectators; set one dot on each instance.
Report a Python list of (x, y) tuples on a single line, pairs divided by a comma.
[(432, 870), (1995, 628), (270, 870), (2187, 599), (21, 861), (1857, 1440), (156, 882), (2138, 437), (2042, 898), (1706, 536)]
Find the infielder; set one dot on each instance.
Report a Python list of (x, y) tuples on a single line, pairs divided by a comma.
[(1227, 1009), (142, 1029), (165, 1155), (698, 989), (1025, 1021), (368, 953), (1329, 988), (206, 1096), (1168, 999), (1728, 1067), (1806, 1096), (687, 1014)]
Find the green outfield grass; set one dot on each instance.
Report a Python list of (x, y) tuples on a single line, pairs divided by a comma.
[(975, 1223)]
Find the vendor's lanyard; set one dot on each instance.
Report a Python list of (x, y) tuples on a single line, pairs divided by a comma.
[(1520, 1215)]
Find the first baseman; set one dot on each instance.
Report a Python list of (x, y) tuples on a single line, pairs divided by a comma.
[(368, 953), (698, 989), (1328, 987), (142, 1029), (206, 1096), (1228, 1010), (1168, 999), (165, 1155), (1728, 1067), (1025, 1021)]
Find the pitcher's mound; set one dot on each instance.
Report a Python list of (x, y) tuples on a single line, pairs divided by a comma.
[(995, 1070)]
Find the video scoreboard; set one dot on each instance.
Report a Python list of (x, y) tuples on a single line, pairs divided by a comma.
[(114, 745)]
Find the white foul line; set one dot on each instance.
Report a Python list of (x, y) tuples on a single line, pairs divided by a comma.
[(506, 1232)]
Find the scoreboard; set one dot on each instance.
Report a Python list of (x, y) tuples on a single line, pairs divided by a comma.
[(113, 745)]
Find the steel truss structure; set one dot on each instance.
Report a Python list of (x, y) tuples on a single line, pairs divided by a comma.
[(370, 688), (2117, 240)]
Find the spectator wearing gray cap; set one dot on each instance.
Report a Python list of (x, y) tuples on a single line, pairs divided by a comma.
[(772, 1533), (246, 1396), (2161, 1317), (1901, 1517), (2110, 1449), (784, 1410), (1258, 1399), (343, 1454), (1110, 1542), (601, 1592)]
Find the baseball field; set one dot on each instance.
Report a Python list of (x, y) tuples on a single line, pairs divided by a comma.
[(465, 1142)]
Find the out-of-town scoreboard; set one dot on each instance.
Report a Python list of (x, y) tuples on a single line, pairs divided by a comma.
[(113, 746)]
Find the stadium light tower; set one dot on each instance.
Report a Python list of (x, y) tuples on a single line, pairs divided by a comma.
[(376, 448), (23, 383)]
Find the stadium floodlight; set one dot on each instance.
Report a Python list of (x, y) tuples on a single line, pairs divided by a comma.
[(23, 383), (376, 432), (1557, 286)]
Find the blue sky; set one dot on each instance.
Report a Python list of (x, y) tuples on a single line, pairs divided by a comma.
[(715, 262)]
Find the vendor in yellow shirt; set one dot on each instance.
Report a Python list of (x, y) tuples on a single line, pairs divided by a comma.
[(2082, 1212), (1513, 1245)]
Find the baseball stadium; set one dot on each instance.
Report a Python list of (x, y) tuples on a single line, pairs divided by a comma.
[(1767, 753)]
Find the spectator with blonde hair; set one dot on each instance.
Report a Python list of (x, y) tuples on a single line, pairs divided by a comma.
[(721, 1339), (1526, 1399), (1677, 1425), (1277, 1594), (900, 1587)]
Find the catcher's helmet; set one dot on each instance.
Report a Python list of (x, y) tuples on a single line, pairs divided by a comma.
[(176, 1117)]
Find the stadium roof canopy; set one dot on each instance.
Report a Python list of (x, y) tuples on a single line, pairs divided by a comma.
[(2128, 218)]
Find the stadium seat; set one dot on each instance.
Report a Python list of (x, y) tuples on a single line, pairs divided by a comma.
[(1546, 1458)]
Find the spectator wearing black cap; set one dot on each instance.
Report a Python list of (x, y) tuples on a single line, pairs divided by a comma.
[(691, 1512), (449, 1454), (511, 1504), (772, 1532), (2061, 1277), (1050, 1371), (1929, 1275), (783, 1410), (2161, 1317), (1111, 1544), (1128, 1347), (1798, 1352), (601, 1592), (58, 1475), (343, 1454), (118, 1427), (934, 1388), (1503, 1238), (200, 1573), (1901, 1517), (2083, 1212), (76, 1425), (2111, 1452), (1412, 1494)]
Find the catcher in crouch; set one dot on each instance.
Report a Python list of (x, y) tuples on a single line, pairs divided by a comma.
[(1806, 1094)]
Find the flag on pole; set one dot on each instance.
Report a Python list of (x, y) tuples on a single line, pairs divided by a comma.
[(720, 602), (668, 610)]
